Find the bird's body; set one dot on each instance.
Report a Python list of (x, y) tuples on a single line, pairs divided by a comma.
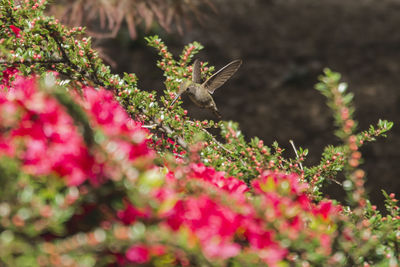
[(202, 98), (200, 93)]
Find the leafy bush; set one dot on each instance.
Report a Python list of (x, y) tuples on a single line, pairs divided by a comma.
[(96, 172)]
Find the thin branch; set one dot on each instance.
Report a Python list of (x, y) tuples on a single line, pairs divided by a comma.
[(151, 126), (215, 141), (64, 54), (213, 138), (218, 143), (30, 62), (163, 128), (179, 139), (297, 156)]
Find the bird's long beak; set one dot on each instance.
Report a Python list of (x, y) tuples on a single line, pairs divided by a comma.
[(176, 98)]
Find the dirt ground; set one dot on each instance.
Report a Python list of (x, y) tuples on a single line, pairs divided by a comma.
[(284, 45)]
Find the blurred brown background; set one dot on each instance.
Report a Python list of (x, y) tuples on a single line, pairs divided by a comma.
[(284, 45)]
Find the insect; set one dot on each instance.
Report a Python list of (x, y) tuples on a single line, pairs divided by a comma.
[(200, 93)]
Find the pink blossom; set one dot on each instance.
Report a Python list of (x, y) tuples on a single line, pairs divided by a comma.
[(51, 141), (222, 250), (284, 184), (16, 31), (256, 234), (157, 250), (138, 253), (108, 114), (273, 255), (7, 74), (130, 214), (326, 242), (326, 209), (213, 224), (229, 184), (177, 215)]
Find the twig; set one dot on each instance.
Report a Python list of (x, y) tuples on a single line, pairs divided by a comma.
[(68, 61), (164, 128), (218, 143), (213, 138), (179, 139), (297, 156), (30, 62), (152, 126)]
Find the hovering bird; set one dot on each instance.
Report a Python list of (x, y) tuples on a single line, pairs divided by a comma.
[(200, 93)]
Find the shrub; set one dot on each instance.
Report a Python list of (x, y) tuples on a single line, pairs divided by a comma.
[(97, 172)]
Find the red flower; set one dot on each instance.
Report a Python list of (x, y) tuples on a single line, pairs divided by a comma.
[(130, 214), (326, 209), (16, 31), (273, 255), (176, 216), (52, 142), (230, 184), (283, 184), (213, 224), (258, 237), (7, 74), (138, 253), (221, 249), (108, 114), (157, 250)]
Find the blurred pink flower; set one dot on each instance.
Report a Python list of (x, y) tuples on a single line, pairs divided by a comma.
[(130, 214), (16, 31), (51, 141), (229, 184), (138, 254)]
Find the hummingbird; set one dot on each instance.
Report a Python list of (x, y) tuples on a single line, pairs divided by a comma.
[(200, 93)]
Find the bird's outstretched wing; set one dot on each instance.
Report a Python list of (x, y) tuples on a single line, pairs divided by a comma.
[(196, 72), (221, 76)]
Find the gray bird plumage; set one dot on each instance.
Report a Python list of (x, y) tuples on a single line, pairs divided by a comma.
[(200, 93)]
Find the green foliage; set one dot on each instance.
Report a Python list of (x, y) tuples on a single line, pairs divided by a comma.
[(45, 44), (41, 44)]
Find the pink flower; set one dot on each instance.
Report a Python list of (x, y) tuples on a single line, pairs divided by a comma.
[(51, 140), (284, 184), (108, 114), (257, 236), (130, 214), (52, 143), (16, 31), (138, 253), (230, 184), (273, 255), (326, 242), (220, 249), (7, 74), (213, 224), (176, 216), (157, 250), (326, 209)]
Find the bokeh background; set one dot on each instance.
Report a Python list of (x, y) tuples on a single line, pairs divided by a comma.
[(284, 44)]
